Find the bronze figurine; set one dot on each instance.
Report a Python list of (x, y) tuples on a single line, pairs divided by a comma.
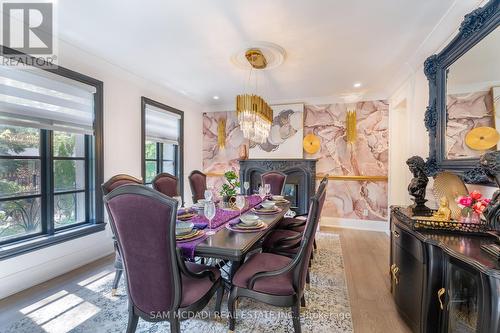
[(490, 163), (418, 185)]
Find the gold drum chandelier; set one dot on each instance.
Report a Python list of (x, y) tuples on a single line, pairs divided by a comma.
[(255, 116)]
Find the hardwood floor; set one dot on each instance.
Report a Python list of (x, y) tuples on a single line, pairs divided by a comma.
[(366, 261)]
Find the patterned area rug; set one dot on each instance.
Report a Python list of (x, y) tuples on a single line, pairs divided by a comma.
[(91, 308)]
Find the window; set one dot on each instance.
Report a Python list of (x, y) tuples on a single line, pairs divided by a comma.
[(50, 157), (162, 140)]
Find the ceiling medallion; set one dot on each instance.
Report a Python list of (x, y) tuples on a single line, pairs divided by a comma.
[(255, 116)]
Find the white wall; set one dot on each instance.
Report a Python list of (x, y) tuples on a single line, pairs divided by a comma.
[(122, 154)]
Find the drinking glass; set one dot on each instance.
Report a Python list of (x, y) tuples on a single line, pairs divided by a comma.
[(208, 195), (262, 192), (246, 186), (267, 187), (240, 202), (209, 212)]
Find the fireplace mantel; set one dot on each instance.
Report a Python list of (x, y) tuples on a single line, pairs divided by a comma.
[(301, 174)]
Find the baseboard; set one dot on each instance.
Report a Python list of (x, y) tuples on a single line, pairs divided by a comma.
[(335, 222)]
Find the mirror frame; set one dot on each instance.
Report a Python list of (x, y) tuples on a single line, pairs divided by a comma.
[(475, 26)]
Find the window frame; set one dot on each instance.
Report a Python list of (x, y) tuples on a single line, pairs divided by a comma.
[(179, 149), (94, 150)]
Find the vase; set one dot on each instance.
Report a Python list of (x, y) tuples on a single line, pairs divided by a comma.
[(471, 217)]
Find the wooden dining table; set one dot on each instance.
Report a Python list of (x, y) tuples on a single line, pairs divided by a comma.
[(233, 246)]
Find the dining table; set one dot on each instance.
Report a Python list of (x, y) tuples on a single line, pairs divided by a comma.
[(232, 246)]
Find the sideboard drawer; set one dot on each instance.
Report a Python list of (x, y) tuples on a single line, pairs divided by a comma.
[(408, 242)]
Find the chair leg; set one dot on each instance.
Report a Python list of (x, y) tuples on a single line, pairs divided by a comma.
[(218, 300), (303, 301), (296, 318), (308, 277), (315, 245), (231, 308), (175, 326), (116, 281), (133, 319)]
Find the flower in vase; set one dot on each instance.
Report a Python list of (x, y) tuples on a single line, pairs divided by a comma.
[(465, 201), (475, 195)]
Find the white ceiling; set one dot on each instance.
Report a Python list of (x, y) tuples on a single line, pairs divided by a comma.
[(186, 45)]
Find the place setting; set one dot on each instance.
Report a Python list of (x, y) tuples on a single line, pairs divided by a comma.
[(266, 208), (186, 232), (247, 223)]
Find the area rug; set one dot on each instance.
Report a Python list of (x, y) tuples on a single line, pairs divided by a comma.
[(91, 308)]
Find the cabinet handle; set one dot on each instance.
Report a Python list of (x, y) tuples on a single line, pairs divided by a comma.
[(395, 233), (395, 271), (441, 292)]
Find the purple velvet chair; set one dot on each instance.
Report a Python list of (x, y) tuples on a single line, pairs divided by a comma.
[(108, 186), (166, 184), (276, 179), (275, 279), (161, 285), (198, 184)]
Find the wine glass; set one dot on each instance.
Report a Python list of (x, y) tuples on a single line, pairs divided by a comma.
[(246, 186), (267, 188), (208, 195), (240, 202), (209, 212), (262, 192)]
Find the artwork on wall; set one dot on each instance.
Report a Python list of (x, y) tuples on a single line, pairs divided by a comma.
[(467, 111), (285, 138)]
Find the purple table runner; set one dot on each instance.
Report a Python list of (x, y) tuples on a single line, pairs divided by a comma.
[(219, 221)]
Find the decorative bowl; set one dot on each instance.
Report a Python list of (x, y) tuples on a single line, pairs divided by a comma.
[(268, 204), (249, 219), (183, 228), (278, 197), (202, 201)]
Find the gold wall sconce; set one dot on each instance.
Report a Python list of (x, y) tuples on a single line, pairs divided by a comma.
[(221, 133), (351, 125)]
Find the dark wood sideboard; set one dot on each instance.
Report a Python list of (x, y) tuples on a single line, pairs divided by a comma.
[(443, 282)]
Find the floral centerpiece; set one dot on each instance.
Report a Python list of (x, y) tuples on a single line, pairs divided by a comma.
[(230, 189), (472, 206)]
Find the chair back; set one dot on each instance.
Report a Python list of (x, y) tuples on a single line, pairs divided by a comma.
[(276, 179), (143, 222), (306, 246), (198, 184), (166, 184), (118, 180)]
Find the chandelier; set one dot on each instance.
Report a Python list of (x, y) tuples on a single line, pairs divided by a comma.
[(255, 116)]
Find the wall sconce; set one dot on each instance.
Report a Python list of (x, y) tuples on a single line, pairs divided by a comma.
[(221, 133), (351, 125)]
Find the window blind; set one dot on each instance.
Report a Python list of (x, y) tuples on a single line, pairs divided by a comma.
[(37, 98), (161, 125)]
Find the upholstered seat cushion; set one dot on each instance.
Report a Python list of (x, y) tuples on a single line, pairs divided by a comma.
[(265, 262), (274, 238), (287, 223), (194, 289)]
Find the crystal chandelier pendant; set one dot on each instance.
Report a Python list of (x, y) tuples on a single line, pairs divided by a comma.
[(255, 116)]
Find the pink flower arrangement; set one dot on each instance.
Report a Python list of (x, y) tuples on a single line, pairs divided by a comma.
[(474, 202)]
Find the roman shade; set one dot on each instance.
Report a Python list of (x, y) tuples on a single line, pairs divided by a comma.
[(37, 98), (161, 125)]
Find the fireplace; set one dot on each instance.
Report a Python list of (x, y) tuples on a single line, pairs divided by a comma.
[(300, 182)]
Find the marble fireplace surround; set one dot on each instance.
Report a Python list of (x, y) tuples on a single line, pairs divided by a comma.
[(301, 172)]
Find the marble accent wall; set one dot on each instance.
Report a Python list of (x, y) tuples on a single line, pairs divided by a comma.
[(465, 112), (367, 156)]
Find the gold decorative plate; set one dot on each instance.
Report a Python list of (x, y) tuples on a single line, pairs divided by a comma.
[(311, 143), (482, 138), (447, 184)]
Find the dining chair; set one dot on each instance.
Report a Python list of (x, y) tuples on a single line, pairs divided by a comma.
[(166, 184), (276, 179), (161, 285), (198, 184), (111, 184), (275, 279)]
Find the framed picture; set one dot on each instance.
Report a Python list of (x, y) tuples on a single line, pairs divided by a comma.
[(285, 138)]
